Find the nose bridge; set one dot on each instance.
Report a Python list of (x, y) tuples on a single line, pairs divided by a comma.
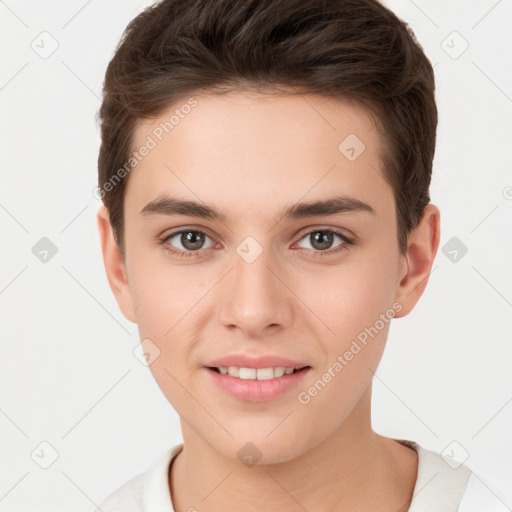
[(255, 297), (252, 271)]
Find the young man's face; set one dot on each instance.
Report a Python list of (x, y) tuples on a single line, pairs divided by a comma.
[(258, 283)]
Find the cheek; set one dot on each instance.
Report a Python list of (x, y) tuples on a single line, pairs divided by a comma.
[(164, 308), (350, 297), (359, 313), (169, 312), (355, 302), (161, 294), (153, 302)]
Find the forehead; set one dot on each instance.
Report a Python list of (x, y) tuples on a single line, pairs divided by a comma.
[(247, 149)]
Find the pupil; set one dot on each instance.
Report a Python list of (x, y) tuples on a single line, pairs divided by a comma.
[(324, 238), (192, 240)]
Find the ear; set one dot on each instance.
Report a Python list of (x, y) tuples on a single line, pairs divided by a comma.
[(422, 246), (115, 265)]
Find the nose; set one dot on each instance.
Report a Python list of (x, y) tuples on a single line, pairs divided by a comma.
[(254, 299)]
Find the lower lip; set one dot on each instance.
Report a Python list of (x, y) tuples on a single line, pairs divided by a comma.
[(253, 390)]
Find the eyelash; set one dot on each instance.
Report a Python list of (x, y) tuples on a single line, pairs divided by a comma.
[(187, 254)]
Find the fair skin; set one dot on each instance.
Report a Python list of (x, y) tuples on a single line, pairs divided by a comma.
[(251, 156)]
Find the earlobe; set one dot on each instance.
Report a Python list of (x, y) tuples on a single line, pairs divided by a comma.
[(422, 248), (115, 266)]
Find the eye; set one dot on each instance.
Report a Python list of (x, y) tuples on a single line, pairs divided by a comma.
[(188, 241), (321, 241)]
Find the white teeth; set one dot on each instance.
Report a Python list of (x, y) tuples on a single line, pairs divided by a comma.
[(233, 371), (247, 373), (279, 371), (255, 373)]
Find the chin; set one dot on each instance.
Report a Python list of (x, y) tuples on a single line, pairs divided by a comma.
[(255, 446)]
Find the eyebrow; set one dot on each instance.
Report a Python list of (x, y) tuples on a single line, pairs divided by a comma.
[(339, 204)]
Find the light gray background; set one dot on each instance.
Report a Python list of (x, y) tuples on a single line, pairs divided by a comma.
[(68, 374)]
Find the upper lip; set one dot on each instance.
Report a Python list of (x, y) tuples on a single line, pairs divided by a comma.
[(245, 361)]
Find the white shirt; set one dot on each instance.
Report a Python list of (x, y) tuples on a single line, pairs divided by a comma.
[(439, 487)]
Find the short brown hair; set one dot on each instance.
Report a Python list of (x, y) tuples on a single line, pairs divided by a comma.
[(348, 49)]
